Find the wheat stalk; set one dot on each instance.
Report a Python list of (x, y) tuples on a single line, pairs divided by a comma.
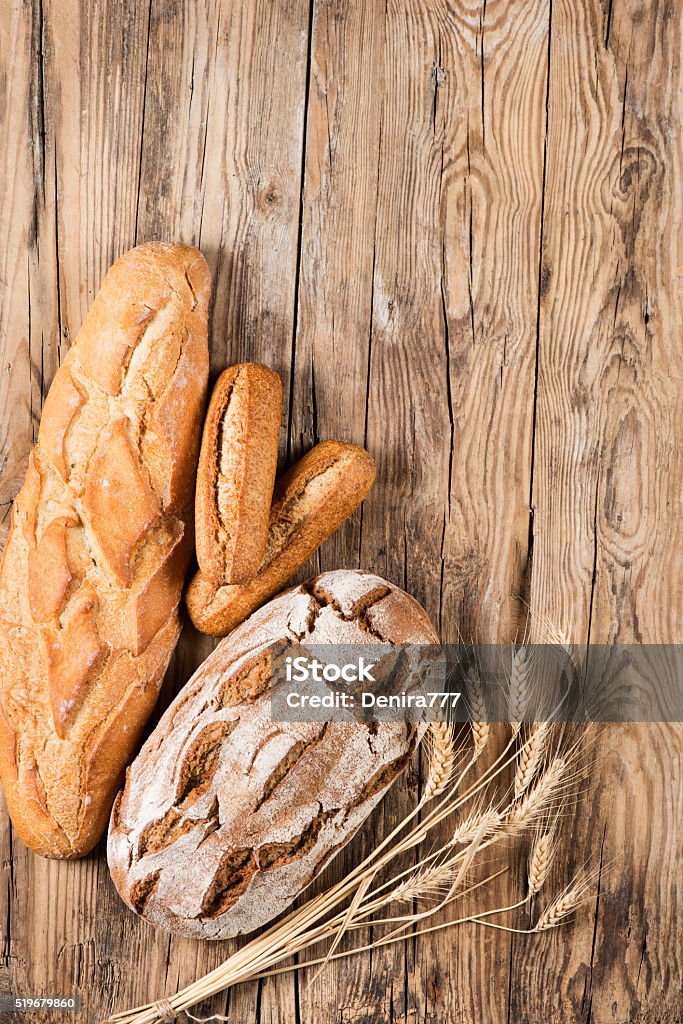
[(565, 904), (561, 907), (485, 817)]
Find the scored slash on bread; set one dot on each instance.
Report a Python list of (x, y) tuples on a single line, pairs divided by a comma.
[(236, 472), (99, 543), (311, 501)]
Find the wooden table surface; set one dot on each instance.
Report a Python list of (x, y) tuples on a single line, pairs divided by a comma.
[(454, 229)]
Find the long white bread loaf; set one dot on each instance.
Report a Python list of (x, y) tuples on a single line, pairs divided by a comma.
[(100, 538)]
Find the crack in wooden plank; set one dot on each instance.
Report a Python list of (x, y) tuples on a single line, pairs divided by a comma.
[(142, 124), (302, 191)]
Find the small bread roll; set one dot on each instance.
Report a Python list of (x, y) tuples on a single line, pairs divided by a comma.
[(311, 501), (236, 473)]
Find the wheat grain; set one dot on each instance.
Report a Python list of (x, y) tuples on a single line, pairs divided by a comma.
[(442, 756)]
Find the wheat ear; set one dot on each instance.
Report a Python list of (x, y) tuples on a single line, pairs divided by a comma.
[(540, 861), (477, 706), (548, 633), (442, 757), (559, 909), (520, 679), (470, 825), (423, 884), (541, 797), (530, 757), (575, 894)]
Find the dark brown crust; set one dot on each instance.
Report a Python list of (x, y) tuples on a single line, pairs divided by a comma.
[(238, 813), (311, 501), (241, 437)]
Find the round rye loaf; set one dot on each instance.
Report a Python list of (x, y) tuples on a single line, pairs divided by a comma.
[(226, 814)]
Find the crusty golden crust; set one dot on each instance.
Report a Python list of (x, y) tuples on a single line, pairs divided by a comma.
[(236, 472), (311, 501), (99, 542)]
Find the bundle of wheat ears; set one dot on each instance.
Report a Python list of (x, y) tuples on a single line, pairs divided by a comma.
[(469, 798)]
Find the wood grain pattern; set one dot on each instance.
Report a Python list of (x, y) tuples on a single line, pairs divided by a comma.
[(607, 474), (452, 228)]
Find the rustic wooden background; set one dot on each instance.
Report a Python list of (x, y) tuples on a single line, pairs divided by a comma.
[(454, 229)]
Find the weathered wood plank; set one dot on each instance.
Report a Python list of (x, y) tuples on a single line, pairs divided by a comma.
[(607, 483), (494, 57), (330, 371), (221, 167), (167, 121), (49, 929)]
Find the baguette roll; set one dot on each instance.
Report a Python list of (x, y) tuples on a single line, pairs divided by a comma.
[(99, 542), (311, 501), (236, 472)]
